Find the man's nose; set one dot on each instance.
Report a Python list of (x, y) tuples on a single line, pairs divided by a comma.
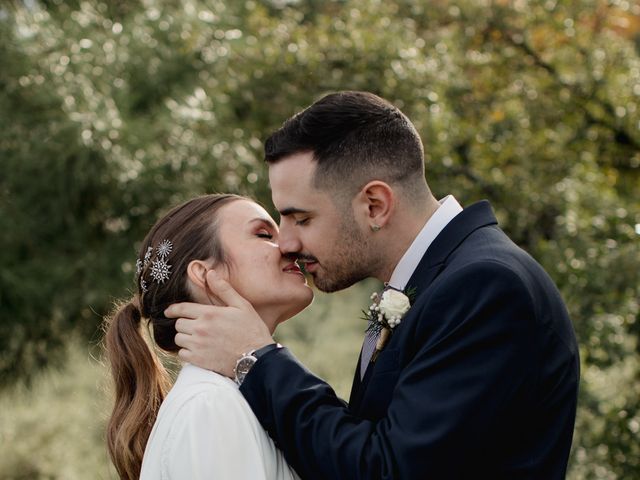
[(288, 241)]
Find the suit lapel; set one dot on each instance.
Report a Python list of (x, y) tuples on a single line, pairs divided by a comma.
[(354, 397), (432, 263), (457, 230)]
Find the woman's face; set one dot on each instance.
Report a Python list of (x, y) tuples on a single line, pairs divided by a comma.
[(274, 285)]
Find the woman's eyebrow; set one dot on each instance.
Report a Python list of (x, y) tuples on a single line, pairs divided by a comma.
[(268, 221)]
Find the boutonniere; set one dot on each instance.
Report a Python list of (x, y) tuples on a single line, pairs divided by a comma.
[(385, 314)]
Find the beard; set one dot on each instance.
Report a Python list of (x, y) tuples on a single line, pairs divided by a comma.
[(349, 263)]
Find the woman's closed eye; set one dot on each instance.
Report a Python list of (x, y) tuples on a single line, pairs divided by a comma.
[(302, 221), (264, 234)]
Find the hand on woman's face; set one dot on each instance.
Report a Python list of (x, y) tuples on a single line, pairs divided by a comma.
[(274, 285)]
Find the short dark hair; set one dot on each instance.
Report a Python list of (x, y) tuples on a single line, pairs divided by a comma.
[(355, 137)]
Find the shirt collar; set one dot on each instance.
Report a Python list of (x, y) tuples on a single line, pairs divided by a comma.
[(448, 209)]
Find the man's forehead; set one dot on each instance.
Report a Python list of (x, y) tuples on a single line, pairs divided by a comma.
[(292, 189), (289, 201), (290, 180), (299, 165)]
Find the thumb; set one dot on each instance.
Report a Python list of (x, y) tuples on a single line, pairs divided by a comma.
[(222, 289)]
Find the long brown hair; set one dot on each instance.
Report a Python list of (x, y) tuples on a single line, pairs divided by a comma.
[(141, 381)]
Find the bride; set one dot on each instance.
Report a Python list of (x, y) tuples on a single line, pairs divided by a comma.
[(203, 427)]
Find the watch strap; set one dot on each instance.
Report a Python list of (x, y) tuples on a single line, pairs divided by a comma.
[(266, 349), (252, 356)]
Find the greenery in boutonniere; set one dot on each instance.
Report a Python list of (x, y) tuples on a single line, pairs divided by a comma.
[(386, 312)]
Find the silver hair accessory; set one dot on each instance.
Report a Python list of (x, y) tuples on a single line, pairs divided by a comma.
[(160, 270), (164, 249), (147, 257)]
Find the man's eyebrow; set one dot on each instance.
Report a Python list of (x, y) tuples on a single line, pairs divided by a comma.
[(292, 211)]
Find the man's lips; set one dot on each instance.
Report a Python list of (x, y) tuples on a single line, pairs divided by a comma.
[(309, 265)]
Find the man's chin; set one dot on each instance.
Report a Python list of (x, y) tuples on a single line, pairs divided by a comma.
[(328, 285)]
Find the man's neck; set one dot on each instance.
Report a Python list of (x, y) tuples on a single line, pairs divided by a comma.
[(401, 234)]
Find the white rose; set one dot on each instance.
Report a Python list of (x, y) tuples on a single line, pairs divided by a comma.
[(394, 304)]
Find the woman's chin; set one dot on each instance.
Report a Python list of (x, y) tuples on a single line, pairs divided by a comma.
[(297, 306), (277, 313)]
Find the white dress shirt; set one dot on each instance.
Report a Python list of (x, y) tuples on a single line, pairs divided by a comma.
[(206, 430), (448, 209)]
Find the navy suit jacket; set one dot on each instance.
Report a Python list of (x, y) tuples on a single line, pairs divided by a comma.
[(479, 380)]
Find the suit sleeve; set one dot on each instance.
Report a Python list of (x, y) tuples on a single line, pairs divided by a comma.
[(470, 356)]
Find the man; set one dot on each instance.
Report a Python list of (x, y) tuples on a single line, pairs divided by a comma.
[(479, 378)]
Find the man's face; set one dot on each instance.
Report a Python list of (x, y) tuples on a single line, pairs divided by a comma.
[(327, 241)]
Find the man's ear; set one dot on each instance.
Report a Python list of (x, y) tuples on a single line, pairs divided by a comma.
[(376, 202)]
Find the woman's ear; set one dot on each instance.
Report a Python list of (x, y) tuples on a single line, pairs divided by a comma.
[(376, 202), (196, 272), (197, 275)]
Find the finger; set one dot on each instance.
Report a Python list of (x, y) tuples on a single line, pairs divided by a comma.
[(187, 310), (185, 325), (185, 355), (183, 340), (224, 291)]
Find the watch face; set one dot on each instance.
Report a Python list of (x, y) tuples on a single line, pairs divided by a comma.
[(243, 366)]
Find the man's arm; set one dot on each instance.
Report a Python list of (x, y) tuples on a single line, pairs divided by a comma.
[(472, 364)]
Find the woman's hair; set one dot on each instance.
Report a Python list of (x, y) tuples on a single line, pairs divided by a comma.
[(188, 232)]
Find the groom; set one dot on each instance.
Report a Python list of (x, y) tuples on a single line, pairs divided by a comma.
[(479, 379)]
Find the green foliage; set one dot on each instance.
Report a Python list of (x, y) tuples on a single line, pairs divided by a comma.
[(56, 428), (114, 111)]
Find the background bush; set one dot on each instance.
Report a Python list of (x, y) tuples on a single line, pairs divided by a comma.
[(110, 112)]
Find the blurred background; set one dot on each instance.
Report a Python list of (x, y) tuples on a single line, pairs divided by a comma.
[(113, 111)]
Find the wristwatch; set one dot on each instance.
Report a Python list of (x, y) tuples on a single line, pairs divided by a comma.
[(248, 360)]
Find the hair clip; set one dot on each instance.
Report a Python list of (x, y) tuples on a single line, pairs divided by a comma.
[(164, 249), (147, 256), (160, 270)]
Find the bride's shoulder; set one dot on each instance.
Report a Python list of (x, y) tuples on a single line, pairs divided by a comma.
[(191, 375), (206, 421), (196, 382)]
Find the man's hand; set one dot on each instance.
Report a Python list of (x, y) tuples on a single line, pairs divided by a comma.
[(214, 337)]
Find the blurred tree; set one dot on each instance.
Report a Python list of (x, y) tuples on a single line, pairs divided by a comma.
[(113, 111)]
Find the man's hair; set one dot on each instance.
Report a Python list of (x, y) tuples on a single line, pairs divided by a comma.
[(355, 137)]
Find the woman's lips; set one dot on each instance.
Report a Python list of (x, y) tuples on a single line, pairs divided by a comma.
[(292, 268)]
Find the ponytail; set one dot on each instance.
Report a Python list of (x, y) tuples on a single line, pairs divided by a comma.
[(141, 383)]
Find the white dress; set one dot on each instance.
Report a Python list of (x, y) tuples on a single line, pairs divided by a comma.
[(206, 430)]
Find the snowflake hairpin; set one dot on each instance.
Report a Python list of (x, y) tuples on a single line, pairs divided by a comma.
[(160, 270), (147, 256), (138, 266), (164, 249)]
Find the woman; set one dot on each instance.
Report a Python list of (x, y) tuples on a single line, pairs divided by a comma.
[(203, 428)]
